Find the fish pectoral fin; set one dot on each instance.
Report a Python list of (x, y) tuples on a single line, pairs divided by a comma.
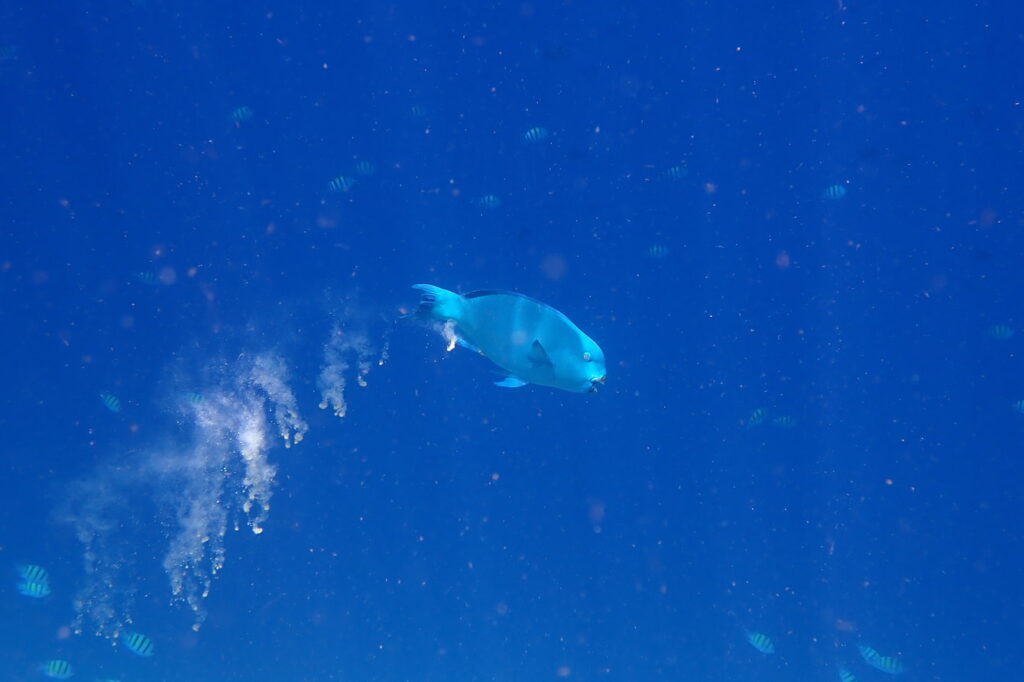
[(511, 382), (538, 356), (467, 345)]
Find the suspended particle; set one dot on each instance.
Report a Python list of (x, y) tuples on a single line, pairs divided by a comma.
[(110, 402), (534, 135), (834, 192), (341, 184)]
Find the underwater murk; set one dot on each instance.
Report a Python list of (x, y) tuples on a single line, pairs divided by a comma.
[(511, 341)]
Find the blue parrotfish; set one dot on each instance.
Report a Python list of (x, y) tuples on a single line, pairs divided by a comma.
[(531, 341)]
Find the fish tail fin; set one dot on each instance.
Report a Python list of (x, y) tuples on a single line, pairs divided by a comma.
[(437, 304)]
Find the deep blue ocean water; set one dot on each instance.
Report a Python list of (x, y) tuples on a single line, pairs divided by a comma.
[(794, 228)]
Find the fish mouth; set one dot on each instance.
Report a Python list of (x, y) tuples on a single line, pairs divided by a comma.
[(594, 382)]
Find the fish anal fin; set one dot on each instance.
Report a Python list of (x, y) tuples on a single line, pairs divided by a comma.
[(511, 382)]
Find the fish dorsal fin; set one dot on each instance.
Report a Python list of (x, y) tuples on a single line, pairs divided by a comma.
[(493, 292), (538, 356)]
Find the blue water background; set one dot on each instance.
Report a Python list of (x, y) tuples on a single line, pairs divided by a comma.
[(447, 529)]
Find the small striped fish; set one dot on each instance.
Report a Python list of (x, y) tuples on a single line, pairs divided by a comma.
[(138, 644), (762, 643), (537, 134), (33, 573), (341, 184), (110, 402), (33, 588), (57, 669), (887, 664), (834, 192)]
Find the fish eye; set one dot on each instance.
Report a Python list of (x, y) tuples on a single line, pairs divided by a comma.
[(586, 357)]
